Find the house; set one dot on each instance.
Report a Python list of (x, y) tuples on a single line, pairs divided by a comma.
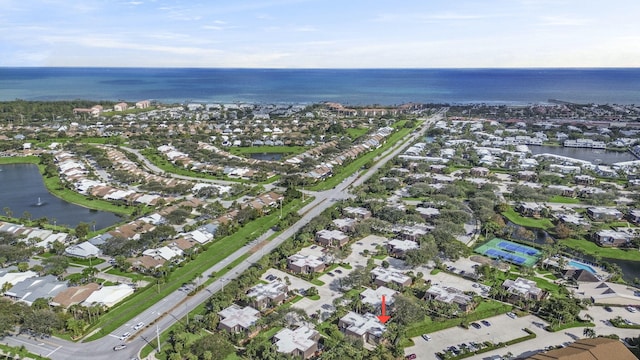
[(301, 264), (398, 248), (634, 216), (365, 327), (574, 220), (301, 342), (450, 295), (120, 106), (521, 289), (84, 250), (584, 179), (345, 224), (479, 171), (604, 214), (563, 190), (143, 104), (109, 295), (530, 209), (612, 238), (383, 277), (411, 232), (28, 290), (236, 319), (74, 295), (527, 175), (599, 348), (267, 295), (428, 213), (332, 238), (356, 212), (374, 297)]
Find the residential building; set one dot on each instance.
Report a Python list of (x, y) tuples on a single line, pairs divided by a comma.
[(345, 224), (604, 214), (301, 342), (374, 297), (479, 171), (332, 238), (612, 238), (365, 327), (356, 212), (236, 319), (450, 295), (28, 290), (122, 106), (634, 216), (382, 277), (398, 248), (267, 295), (522, 288), (584, 179), (428, 213), (530, 209), (600, 348), (305, 264), (83, 250)]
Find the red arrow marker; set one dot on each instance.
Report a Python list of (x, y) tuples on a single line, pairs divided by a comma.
[(383, 317)]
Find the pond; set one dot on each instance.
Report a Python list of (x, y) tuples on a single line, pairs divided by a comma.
[(266, 156), (596, 156), (22, 190)]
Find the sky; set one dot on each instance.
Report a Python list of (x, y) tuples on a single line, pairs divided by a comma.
[(320, 33)]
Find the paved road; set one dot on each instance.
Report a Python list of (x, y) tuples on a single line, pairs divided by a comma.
[(175, 306)]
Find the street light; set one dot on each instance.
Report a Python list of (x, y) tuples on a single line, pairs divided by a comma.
[(223, 280)]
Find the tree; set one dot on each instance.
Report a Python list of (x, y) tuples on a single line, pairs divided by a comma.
[(82, 230), (563, 231), (589, 332)]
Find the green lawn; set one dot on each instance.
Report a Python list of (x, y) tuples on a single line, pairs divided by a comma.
[(23, 353), (85, 262), (355, 133), (517, 219), (144, 298), (590, 248), (20, 160), (164, 164), (563, 200)]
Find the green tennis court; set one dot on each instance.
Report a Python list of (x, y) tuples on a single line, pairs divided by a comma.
[(509, 251)]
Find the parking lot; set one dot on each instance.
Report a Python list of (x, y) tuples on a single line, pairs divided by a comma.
[(503, 328)]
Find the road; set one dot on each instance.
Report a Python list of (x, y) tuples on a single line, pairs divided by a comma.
[(175, 306)]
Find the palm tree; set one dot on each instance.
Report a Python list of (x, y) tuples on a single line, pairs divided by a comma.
[(589, 332)]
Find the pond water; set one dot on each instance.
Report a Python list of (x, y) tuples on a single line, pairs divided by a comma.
[(596, 156), (267, 156), (22, 190)]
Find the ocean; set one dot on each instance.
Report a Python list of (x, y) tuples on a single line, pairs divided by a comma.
[(348, 86)]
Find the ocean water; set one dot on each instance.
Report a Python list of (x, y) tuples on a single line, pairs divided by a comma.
[(348, 86)]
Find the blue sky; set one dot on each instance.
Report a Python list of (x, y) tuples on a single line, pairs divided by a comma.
[(320, 33)]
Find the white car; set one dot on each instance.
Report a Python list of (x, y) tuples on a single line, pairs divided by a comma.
[(125, 335), (138, 326), (631, 309)]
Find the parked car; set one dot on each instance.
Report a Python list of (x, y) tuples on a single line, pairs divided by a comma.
[(608, 308), (271, 277), (631, 309), (512, 315), (338, 271), (485, 323), (331, 274), (476, 325), (411, 357), (119, 347), (426, 337)]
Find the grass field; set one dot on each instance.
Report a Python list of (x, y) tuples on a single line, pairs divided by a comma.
[(589, 248), (563, 200), (517, 219), (355, 133)]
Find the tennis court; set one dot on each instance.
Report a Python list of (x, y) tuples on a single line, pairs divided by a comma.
[(509, 251)]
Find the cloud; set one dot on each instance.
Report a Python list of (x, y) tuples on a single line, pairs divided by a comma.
[(563, 21)]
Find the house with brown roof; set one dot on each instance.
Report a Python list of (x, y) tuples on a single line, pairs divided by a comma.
[(74, 295), (599, 348)]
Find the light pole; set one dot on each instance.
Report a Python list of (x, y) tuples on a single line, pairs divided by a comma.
[(223, 280)]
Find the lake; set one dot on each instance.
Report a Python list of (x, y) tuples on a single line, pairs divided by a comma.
[(596, 156), (23, 190), (266, 156)]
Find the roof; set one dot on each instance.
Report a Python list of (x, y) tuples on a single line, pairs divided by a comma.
[(365, 323), (31, 289), (449, 295), (387, 276), (288, 340), (271, 290), (15, 277), (109, 295), (305, 260), (83, 250), (522, 286), (74, 295), (599, 348), (374, 297), (234, 316)]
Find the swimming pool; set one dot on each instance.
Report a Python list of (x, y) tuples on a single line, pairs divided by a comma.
[(582, 266)]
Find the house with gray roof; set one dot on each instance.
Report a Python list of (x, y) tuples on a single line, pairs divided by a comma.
[(84, 250), (365, 327), (28, 290), (236, 319), (301, 342)]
